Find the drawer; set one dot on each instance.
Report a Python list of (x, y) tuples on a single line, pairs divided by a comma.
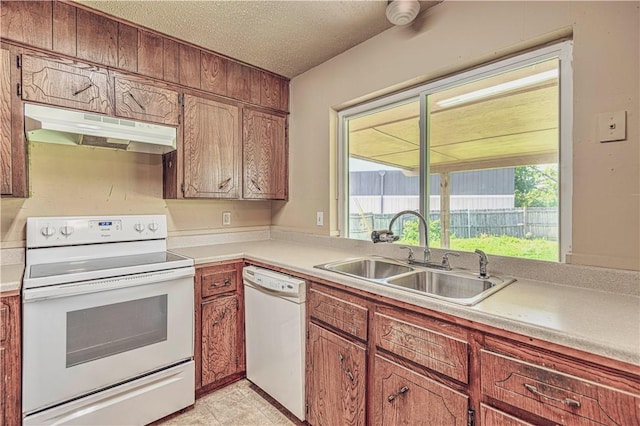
[(434, 350), (554, 395), (215, 281), (339, 313)]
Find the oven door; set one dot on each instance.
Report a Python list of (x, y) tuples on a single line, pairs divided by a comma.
[(82, 337)]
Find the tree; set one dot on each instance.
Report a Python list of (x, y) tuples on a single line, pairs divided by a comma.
[(536, 186)]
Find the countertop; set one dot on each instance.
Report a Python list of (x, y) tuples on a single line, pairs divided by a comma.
[(594, 321), (11, 277)]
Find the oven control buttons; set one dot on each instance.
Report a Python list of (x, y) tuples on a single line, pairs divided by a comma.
[(66, 230), (139, 227), (153, 227), (48, 231)]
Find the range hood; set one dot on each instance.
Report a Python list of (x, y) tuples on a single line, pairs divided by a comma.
[(62, 126)]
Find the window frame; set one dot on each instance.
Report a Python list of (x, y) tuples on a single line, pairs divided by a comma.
[(562, 51)]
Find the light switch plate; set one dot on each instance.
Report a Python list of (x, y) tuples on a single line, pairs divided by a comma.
[(320, 218), (612, 126), (226, 218)]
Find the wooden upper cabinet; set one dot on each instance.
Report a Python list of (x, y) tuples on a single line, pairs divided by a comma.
[(403, 397), (264, 155), (66, 83), (28, 22), (97, 38), (6, 184), (64, 28), (127, 47), (150, 54), (213, 75), (142, 101), (189, 66), (211, 149)]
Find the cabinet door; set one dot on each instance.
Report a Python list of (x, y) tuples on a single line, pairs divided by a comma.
[(265, 155), (211, 149), (10, 360), (13, 149), (145, 102), (403, 397), (336, 372), (220, 356), (66, 83), (6, 184)]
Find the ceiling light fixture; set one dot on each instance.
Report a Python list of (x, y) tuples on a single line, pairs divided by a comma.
[(402, 12), (499, 88)]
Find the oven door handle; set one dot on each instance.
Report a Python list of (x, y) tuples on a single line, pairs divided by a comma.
[(94, 286)]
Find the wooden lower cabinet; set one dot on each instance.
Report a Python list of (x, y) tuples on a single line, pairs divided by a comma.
[(10, 360), (219, 345), (404, 397), (220, 357), (336, 374)]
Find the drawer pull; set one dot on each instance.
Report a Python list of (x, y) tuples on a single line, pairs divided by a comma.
[(224, 183), (136, 101), (566, 401), (225, 283), (401, 392), (77, 92), (216, 322), (346, 370)]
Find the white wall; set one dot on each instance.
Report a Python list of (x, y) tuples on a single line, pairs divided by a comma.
[(458, 35)]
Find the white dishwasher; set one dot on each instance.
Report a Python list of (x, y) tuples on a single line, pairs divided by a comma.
[(275, 328)]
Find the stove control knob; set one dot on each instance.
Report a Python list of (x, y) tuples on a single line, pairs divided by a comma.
[(139, 227), (48, 231), (153, 227), (66, 230)]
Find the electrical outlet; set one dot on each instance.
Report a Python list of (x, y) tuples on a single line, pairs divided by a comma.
[(320, 218), (226, 218)]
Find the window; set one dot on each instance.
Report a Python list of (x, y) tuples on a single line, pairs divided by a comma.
[(480, 155)]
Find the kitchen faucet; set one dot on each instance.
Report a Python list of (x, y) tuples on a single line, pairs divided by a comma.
[(387, 236), (483, 263)]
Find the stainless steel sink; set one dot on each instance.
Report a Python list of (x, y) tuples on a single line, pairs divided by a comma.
[(459, 287), (368, 267), (462, 288)]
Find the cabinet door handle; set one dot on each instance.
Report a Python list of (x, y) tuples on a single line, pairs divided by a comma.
[(224, 183), (566, 401), (77, 92), (349, 374), (216, 322), (401, 392), (256, 185), (136, 101)]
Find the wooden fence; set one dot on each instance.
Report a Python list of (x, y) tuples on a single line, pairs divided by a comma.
[(525, 222)]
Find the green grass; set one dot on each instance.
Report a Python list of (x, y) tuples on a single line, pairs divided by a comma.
[(503, 245)]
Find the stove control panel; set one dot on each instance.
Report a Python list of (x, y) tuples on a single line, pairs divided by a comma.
[(63, 231)]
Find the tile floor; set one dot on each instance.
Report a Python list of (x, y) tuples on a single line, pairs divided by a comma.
[(234, 405)]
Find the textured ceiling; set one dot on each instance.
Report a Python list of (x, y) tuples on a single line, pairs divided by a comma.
[(285, 37)]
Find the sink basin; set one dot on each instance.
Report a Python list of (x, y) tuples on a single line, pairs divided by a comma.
[(461, 287), (465, 289), (374, 268)]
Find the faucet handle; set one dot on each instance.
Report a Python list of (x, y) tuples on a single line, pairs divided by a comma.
[(410, 258), (445, 259)]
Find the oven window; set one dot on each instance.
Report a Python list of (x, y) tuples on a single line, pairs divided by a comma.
[(107, 330)]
